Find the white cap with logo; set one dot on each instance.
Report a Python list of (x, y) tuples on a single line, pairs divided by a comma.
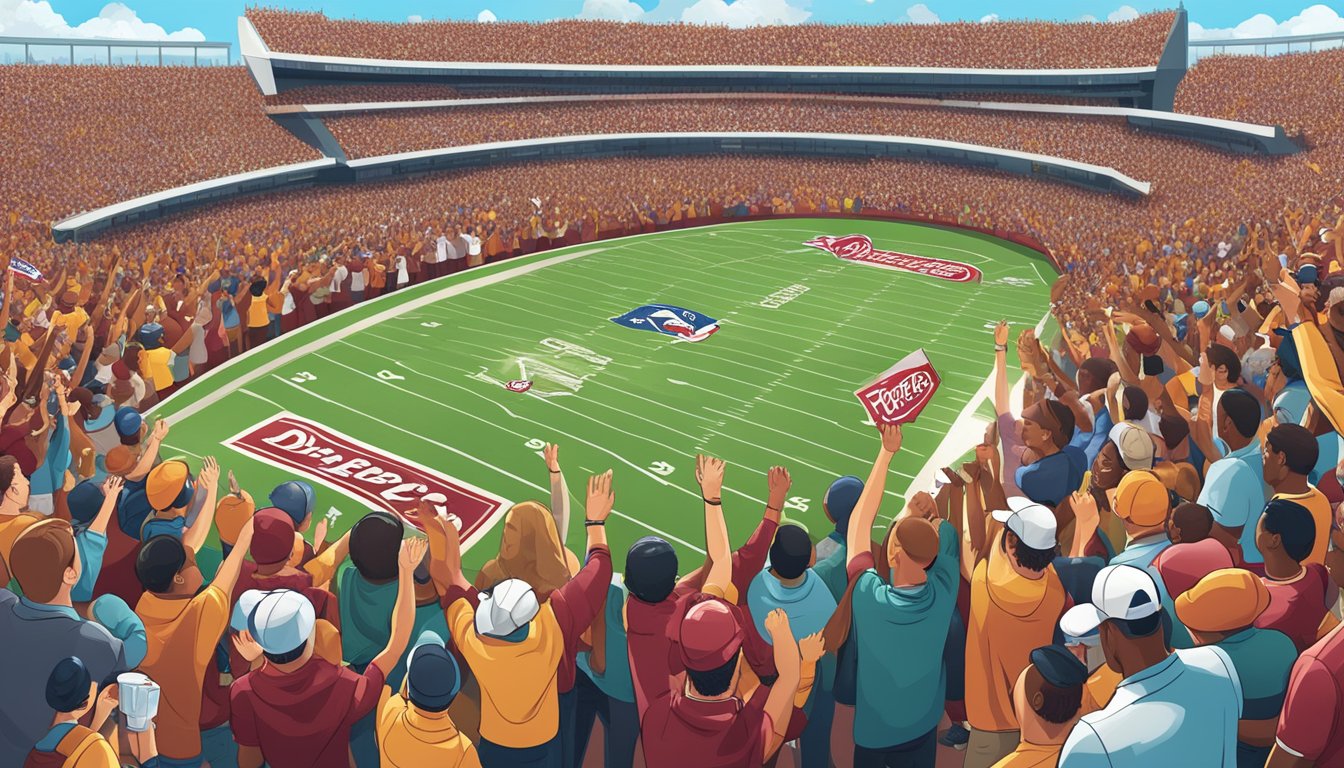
[(280, 620), (1119, 592), (1033, 523), (510, 605)]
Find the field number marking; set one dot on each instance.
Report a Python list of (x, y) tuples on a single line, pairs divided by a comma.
[(302, 376)]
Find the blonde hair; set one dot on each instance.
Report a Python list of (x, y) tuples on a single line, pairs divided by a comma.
[(530, 550)]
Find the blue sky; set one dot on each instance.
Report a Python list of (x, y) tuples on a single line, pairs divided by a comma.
[(216, 19)]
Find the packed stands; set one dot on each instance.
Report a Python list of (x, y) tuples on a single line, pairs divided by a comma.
[(86, 136), (1304, 92), (998, 45)]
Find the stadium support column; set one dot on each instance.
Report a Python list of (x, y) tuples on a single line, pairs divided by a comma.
[(1172, 66)]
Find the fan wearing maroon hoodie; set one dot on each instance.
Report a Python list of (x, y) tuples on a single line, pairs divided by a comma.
[(296, 709), (658, 601)]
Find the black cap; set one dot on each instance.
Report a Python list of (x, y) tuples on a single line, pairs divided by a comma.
[(1059, 666), (651, 569), (68, 685), (791, 551)]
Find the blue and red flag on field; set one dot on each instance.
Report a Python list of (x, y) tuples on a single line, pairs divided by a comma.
[(669, 320), (24, 269)]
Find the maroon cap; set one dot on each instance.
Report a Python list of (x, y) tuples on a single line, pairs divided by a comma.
[(1183, 565), (710, 636), (272, 536)]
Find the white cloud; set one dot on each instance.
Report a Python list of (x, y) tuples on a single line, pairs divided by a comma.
[(36, 18), (920, 13), (611, 10), (1312, 20), (1123, 13), (989, 18), (745, 13), (415, 18), (486, 15)]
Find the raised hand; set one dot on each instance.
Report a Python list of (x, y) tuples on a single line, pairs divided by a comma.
[(812, 648), (600, 498), (954, 478), (1084, 507), (320, 532), (412, 553), (160, 430), (112, 485), (248, 648), (922, 505), (777, 626), (209, 474), (709, 473), (891, 437), (1001, 333), (551, 453), (779, 483)]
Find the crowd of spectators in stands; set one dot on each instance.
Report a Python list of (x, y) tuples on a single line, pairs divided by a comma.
[(82, 137), (996, 45)]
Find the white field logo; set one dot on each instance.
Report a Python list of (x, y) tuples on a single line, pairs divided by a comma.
[(783, 296), (557, 369)]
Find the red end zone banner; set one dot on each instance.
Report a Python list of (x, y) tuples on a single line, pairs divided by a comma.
[(902, 391), (363, 472), (860, 248)]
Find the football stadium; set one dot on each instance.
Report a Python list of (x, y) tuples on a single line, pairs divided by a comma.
[(723, 384)]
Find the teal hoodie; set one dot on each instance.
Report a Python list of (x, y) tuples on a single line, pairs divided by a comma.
[(366, 621), (900, 634)]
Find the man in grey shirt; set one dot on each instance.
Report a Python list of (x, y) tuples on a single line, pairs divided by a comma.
[(42, 627)]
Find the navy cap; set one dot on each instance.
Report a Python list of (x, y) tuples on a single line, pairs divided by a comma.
[(1307, 273), (150, 335), (127, 421), (432, 675), (651, 569), (84, 500), (840, 500), (1059, 666), (68, 685), (295, 498)]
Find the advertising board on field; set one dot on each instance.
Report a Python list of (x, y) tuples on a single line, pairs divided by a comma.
[(860, 249), (378, 479)]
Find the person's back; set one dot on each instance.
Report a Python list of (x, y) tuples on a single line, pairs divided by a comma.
[(39, 630), (414, 727), (1188, 706)]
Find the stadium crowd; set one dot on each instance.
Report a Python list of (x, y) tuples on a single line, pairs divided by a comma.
[(1137, 565), (997, 45)]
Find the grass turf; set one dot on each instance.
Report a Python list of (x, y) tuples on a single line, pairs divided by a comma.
[(773, 386)]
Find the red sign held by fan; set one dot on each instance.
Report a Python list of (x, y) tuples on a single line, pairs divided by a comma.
[(902, 391)]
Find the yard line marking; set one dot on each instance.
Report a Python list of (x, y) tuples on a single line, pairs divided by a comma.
[(823, 446), (463, 454), (183, 451)]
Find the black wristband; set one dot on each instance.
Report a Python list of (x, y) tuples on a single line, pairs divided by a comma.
[(589, 523), (769, 508), (553, 471), (713, 502)]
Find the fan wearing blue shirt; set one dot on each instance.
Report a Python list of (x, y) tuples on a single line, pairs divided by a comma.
[(1234, 488)]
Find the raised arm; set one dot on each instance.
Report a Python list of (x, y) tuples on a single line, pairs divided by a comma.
[(709, 474), (559, 490), (1002, 402), (227, 575), (195, 536), (788, 662), (151, 451), (111, 493), (860, 534), (1086, 520), (403, 613)]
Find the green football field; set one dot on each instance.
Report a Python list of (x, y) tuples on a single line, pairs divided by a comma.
[(419, 374)]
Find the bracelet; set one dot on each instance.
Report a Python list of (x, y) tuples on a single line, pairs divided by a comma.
[(591, 523), (1000, 347), (712, 502), (769, 508), (553, 471)]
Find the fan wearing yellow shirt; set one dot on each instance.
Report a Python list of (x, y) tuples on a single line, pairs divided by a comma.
[(1048, 699), (413, 725)]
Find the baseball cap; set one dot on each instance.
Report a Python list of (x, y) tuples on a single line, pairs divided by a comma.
[(169, 485), (150, 335), (119, 460), (272, 536), (84, 501), (1142, 499), (127, 421), (432, 675), (1228, 598), (1059, 666), (710, 636), (295, 498), (280, 620), (840, 499), (1119, 592), (1307, 273), (1200, 308), (506, 608), (1181, 566), (1136, 447), (1033, 523)]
